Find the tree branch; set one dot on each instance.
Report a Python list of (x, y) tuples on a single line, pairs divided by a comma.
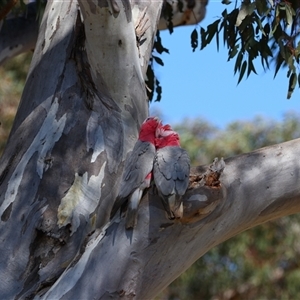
[(192, 12), (19, 33), (256, 187)]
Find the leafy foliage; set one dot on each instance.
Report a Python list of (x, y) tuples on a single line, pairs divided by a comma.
[(153, 86), (264, 29)]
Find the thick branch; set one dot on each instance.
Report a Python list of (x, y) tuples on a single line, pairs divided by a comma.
[(19, 33), (192, 12), (257, 187)]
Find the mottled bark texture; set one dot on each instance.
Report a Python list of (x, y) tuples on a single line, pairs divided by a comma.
[(18, 34), (78, 118), (79, 115)]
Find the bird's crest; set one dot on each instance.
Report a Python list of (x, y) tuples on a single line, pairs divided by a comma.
[(148, 130), (166, 136)]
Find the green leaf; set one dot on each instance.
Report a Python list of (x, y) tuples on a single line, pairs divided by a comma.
[(194, 39), (242, 71), (158, 90), (158, 60), (238, 62), (226, 2), (258, 21), (158, 45), (203, 36), (225, 32), (261, 7), (232, 52), (265, 52), (224, 13), (212, 29), (250, 67), (289, 13), (267, 29), (292, 84), (290, 62), (267, 49), (282, 49), (279, 62), (275, 22), (150, 82)]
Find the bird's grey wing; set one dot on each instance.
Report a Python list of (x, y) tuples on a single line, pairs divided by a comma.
[(162, 173), (182, 171), (171, 175), (163, 170), (138, 165)]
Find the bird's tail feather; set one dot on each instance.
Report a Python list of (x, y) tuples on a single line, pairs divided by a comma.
[(133, 204)]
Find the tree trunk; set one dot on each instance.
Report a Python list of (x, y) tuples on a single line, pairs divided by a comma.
[(79, 115)]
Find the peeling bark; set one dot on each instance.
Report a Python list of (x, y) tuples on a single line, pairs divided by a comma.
[(19, 33), (77, 120), (255, 188)]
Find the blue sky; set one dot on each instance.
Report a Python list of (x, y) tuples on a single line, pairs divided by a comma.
[(202, 83)]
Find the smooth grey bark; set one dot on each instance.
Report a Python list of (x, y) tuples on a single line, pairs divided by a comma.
[(73, 129), (255, 188), (18, 34)]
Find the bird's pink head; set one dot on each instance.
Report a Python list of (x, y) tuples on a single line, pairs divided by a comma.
[(166, 136), (163, 130), (148, 130)]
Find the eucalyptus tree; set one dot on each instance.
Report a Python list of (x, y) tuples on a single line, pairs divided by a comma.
[(79, 115)]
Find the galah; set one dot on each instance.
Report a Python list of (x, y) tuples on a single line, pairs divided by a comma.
[(137, 172), (171, 170)]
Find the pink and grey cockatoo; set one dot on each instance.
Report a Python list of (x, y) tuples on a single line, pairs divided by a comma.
[(137, 172), (171, 170)]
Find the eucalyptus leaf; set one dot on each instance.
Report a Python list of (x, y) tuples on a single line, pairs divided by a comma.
[(158, 60), (242, 72), (194, 39), (226, 2), (292, 84)]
